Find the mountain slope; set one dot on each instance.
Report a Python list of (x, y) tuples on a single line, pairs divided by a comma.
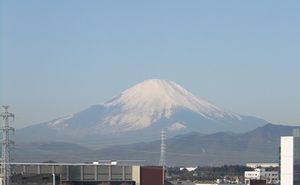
[(142, 111), (258, 145), (151, 100)]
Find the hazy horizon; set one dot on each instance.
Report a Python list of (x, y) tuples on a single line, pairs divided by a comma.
[(60, 57)]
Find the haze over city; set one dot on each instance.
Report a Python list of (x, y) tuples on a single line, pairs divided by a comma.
[(60, 57)]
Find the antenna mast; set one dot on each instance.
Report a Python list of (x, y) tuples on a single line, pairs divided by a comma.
[(162, 160), (5, 167)]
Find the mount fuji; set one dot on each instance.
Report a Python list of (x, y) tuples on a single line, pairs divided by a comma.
[(138, 114)]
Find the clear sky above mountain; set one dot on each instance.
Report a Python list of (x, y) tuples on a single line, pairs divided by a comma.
[(59, 57)]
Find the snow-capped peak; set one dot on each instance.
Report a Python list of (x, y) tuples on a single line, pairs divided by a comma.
[(153, 99)]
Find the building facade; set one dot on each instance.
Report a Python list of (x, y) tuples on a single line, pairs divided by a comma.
[(286, 160), (84, 174), (296, 174), (271, 177), (290, 159)]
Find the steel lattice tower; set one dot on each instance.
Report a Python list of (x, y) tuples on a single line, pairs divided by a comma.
[(162, 160), (5, 166)]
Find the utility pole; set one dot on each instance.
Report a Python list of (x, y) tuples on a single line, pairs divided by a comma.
[(5, 166), (162, 160)]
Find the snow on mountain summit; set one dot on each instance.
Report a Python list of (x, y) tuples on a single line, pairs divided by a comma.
[(141, 106), (152, 100)]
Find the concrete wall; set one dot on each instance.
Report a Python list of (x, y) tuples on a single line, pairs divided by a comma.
[(136, 174)]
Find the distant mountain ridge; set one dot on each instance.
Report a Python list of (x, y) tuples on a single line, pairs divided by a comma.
[(141, 111), (258, 145)]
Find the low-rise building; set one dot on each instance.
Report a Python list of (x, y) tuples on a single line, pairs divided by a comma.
[(85, 173), (262, 165), (271, 177)]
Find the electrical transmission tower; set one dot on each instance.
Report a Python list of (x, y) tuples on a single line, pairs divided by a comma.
[(5, 166), (162, 160)]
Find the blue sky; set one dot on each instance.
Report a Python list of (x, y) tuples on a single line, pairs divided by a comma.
[(59, 57)]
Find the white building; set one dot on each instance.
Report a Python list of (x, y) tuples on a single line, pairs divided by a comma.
[(271, 177), (290, 159), (190, 169), (286, 160), (262, 165)]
